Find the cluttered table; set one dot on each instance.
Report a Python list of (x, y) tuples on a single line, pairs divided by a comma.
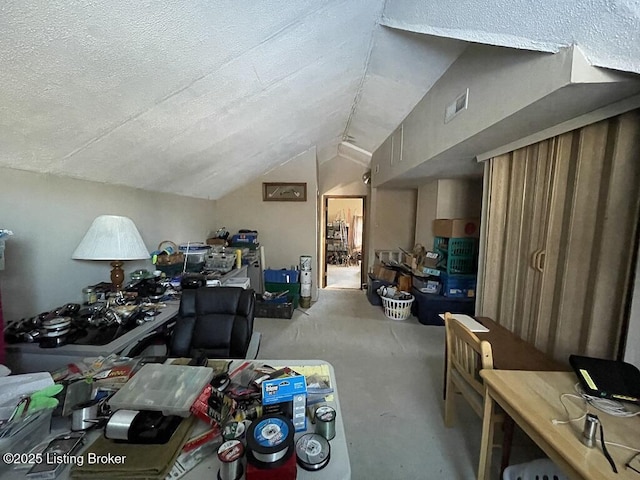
[(96, 339), (30, 357), (230, 419)]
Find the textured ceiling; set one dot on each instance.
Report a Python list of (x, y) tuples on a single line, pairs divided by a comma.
[(197, 97)]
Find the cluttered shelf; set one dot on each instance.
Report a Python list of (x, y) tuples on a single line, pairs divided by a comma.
[(169, 419)]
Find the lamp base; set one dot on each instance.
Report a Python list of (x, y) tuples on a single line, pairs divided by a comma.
[(117, 275)]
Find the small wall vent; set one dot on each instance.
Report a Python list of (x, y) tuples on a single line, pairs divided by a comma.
[(455, 107)]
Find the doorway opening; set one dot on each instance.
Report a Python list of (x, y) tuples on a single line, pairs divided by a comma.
[(343, 241)]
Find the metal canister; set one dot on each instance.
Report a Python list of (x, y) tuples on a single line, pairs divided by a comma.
[(89, 295), (590, 428)]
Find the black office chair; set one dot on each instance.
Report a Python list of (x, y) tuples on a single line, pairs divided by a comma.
[(216, 322)]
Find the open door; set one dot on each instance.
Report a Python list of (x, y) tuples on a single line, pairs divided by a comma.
[(343, 236)]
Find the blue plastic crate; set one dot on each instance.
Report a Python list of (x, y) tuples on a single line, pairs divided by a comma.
[(281, 276), (459, 286)]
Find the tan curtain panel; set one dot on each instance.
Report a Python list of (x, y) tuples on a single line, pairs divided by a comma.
[(561, 222)]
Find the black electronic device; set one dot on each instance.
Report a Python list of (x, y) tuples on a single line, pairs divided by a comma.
[(145, 427), (193, 280), (604, 378)]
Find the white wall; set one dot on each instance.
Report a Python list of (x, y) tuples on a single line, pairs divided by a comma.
[(446, 198), (393, 219), (341, 176), (459, 198), (49, 216), (287, 230), (501, 82), (427, 206)]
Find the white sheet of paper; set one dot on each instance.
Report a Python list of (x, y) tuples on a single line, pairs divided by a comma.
[(468, 322)]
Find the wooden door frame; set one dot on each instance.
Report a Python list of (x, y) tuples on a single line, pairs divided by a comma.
[(323, 233)]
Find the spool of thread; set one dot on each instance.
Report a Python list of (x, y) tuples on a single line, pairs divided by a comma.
[(325, 421), (229, 454), (313, 452), (270, 441), (305, 289), (305, 277), (238, 258), (305, 262)]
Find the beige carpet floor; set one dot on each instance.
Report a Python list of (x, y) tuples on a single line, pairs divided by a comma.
[(389, 376)]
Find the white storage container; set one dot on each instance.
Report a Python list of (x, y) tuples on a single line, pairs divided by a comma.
[(170, 389), (243, 282), (32, 433)]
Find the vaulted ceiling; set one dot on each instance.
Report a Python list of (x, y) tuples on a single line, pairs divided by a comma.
[(196, 97)]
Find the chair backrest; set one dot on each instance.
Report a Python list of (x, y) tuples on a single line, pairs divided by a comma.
[(214, 321), (466, 356)]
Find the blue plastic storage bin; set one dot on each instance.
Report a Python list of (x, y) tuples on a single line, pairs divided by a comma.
[(459, 286), (428, 307), (281, 276), (245, 238)]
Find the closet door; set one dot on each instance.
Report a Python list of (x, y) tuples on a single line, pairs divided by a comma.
[(561, 221), (519, 189)]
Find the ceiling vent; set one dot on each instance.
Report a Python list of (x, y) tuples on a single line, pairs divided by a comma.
[(455, 107)]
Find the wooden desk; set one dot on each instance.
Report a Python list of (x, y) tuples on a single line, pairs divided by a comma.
[(532, 399), (510, 352)]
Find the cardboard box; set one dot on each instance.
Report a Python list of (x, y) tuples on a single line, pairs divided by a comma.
[(287, 396), (216, 241), (380, 272), (404, 282), (409, 259), (431, 260), (456, 227)]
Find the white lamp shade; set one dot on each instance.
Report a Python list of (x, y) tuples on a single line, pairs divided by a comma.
[(111, 237)]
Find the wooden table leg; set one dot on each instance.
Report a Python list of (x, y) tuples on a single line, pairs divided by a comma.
[(507, 441), (484, 466)]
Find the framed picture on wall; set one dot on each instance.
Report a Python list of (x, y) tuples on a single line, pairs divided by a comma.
[(284, 192)]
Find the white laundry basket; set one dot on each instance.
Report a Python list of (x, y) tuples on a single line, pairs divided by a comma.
[(541, 469), (397, 309)]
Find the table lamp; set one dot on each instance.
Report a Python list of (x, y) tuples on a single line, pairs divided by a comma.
[(112, 238)]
